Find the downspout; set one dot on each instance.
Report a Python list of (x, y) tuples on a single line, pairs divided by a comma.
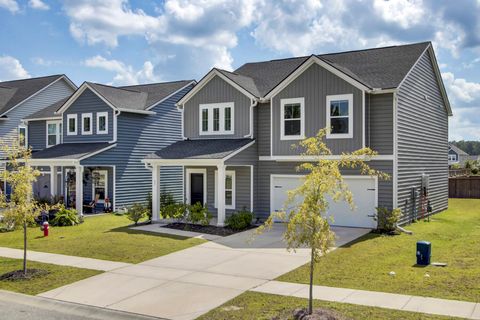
[(253, 103), (116, 113)]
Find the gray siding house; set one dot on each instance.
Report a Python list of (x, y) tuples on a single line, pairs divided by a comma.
[(238, 128), (95, 141)]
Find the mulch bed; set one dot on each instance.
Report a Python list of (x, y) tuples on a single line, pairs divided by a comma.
[(18, 275), (218, 231), (317, 314)]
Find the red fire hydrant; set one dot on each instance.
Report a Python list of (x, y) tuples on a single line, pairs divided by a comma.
[(45, 229)]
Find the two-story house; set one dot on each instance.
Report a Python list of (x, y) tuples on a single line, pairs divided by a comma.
[(95, 140), (23, 97), (457, 156), (238, 128)]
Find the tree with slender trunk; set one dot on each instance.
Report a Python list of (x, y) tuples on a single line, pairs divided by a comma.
[(21, 209), (307, 223)]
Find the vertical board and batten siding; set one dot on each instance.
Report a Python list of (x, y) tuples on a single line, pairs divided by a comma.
[(422, 128), (217, 91), (37, 134), (55, 92), (314, 84), (242, 188), (88, 102), (263, 129), (379, 123), (139, 135), (267, 168)]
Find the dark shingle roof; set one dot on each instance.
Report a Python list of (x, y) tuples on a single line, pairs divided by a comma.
[(457, 150), (200, 149), (138, 97), (15, 91), (375, 68), (69, 151), (48, 112)]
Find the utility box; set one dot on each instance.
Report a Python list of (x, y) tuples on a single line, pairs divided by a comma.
[(424, 253)]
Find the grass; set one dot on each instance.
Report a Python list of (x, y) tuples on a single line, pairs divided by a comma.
[(258, 306), (58, 276), (365, 263), (104, 237)]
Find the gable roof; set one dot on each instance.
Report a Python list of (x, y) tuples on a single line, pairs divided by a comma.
[(457, 150), (16, 91), (48, 112)]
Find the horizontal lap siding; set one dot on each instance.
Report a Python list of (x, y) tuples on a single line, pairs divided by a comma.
[(380, 123), (267, 168), (37, 134), (422, 139)]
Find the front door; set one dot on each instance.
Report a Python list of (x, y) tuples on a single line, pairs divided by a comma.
[(196, 188), (99, 185)]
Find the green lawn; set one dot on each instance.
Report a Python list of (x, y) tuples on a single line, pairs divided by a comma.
[(58, 276), (365, 263), (258, 306), (102, 237)]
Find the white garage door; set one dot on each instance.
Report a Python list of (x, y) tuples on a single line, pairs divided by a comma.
[(364, 196)]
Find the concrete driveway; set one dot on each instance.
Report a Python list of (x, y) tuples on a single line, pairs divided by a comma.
[(189, 283)]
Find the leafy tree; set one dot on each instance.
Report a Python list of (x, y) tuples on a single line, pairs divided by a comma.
[(22, 208), (307, 224)]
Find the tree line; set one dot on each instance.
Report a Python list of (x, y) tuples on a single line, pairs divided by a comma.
[(470, 147)]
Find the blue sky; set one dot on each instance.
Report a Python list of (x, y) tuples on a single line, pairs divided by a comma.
[(126, 42)]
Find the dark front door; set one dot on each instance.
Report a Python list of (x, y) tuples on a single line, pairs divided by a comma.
[(196, 188)]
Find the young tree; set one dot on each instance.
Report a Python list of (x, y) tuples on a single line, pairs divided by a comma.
[(307, 223), (21, 210)]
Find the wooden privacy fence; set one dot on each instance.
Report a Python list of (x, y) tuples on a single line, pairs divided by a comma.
[(464, 187)]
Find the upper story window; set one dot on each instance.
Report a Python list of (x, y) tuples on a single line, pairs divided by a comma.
[(216, 118), (71, 124), (54, 133), (340, 116), (102, 122), (292, 119), (452, 157), (87, 123), (22, 136)]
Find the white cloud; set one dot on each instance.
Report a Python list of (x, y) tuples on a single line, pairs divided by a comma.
[(465, 124), (406, 13), (11, 69), (124, 74), (38, 4), (10, 5), (461, 90)]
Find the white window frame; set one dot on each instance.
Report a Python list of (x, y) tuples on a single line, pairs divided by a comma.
[(25, 140), (87, 116), (100, 172), (227, 173), (284, 102), (59, 133), (99, 115), (349, 98), (452, 157), (188, 172), (72, 116), (221, 107)]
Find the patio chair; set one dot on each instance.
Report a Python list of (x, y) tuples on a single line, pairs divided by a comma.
[(92, 206)]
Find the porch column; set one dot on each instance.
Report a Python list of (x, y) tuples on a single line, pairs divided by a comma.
[(53, 181), (155, 192), (79, 189), (221, 195)]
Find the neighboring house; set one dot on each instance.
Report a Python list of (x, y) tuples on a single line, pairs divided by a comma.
[(95, 141), (21, 98), (238, 128), (458, 156)]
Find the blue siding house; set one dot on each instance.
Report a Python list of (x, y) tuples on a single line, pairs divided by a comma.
[(95, 141)]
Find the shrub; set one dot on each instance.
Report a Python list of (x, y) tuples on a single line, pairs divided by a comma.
[(240, 220), (137, 212), (198, 214), (66, 217), (149, 206), (387, 219), (176, 210), (475, 171)]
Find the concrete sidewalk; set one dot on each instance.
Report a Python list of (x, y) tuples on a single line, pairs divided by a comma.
[(452, 308), (63, 260)]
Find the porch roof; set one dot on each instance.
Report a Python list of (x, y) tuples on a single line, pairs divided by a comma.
[(205, 149), (70, 151)]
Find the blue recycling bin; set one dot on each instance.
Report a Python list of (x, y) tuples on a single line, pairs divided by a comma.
[(424, 253)]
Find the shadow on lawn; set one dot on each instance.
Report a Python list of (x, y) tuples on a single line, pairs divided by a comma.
[(128, 230), (367, 237)]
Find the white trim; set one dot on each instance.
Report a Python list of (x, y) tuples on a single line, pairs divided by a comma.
[(77, 93), (395, 152), (233, 154), (98, 151), (137, 111), (364, 130), (253, 103), (88, 115), (301, 102), (25, 138), (271, 127), (102, 114), (72, 116), (59, 133), (337, 97), (251, 188), (188, 186), (170, 95), (100, 171), (38, 119), (301, 158), (184, 162), (234, 189), (65, 78), (221, 118)]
